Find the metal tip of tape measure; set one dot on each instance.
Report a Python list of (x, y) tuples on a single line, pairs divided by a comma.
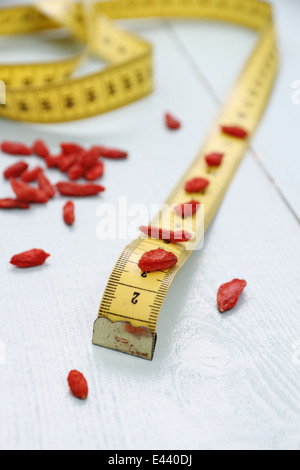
[(123, 337)]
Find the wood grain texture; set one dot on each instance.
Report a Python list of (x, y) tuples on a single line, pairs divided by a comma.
[(216, 382)]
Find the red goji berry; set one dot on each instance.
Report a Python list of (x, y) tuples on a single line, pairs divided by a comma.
[(69, 148), (157, 260), (66, 161), (187, 209), (79, 190), (40, 149), (13, 204), (88, 158), (171, 122), (69, 213), (15, 170), (31, 175), (78, 384), (229, 293), (113, 154), (52, 161), (214, 159), (45, 185), (196, 185), (95, 172), (75, 172), (29, 259), (166, 235), (235, 131), (15, 148), (26, 193)]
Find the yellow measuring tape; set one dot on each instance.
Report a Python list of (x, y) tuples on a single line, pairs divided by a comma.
[(47, 93)]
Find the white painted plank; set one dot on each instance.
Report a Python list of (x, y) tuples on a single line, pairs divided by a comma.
[(218, 52), (216, 382)]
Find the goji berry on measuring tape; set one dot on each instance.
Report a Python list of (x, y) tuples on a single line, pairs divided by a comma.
[(75, 172), (40, 149), (69, 213), (113, 154), (27, 193), (15, 148), (69, 148), (31, 175), (45, 185), (214, 159), (196, 185), (79, 190), (29, 259), (235, 131), (16, 170), (13, 204), (229, 293), (157, 260), (78, 385), (187, 209), (171, 122), (166, 235), (95, 172)]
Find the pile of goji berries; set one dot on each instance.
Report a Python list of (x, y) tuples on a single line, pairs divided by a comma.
[(73, 160)]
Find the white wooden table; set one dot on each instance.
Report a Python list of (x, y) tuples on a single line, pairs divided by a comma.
[(216, 382)]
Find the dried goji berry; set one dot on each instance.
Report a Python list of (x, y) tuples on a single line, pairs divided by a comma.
[(26, 193), (40, 149), (166, 235), (15, 148), (29, 259), (78, 384), (79, 190), (31, 175), (75, 172), (187, 209), (88, 158), (69, 148), (196, 185), (66, 161), (52, 161), (69, 213), (172, 122), (45, 185), (13, 204), (157, 260), (113, 154), (94, 173), (229, 293), (235, 131), (214, 159), (15, 170)]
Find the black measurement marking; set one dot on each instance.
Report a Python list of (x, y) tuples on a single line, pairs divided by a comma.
[(91, 95), (111, 89), (23, 106), (134, 300), (69, 102)]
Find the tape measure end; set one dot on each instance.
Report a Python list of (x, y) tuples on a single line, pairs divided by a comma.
[(123, 337)]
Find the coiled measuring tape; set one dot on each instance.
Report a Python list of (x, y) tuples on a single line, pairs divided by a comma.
[(47, 93)]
